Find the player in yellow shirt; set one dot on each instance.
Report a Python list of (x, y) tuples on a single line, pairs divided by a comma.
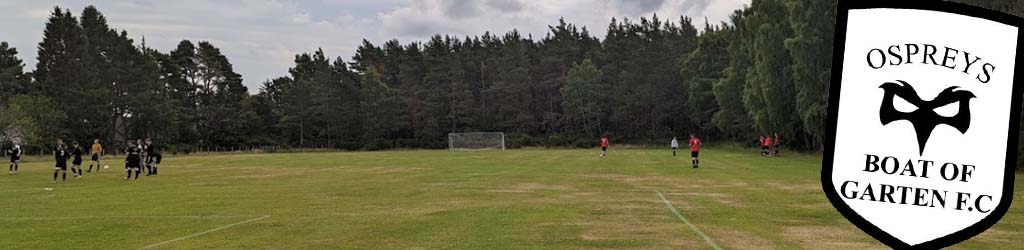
[(97, 152)]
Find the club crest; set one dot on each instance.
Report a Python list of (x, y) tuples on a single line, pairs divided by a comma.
[(924, 114), (925, 119)]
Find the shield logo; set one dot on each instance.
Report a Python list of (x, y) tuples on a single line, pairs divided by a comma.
[(924, 120)]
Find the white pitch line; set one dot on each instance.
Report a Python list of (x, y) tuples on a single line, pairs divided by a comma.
[(205, 232), (694, 228)]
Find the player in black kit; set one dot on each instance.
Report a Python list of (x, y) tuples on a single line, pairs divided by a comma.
[(61, 155), (76, 162), (133, 160), (15, 154), (153, 158)]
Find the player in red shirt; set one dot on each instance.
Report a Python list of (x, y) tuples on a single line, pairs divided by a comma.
[(604, 146), (765, 145), (695, 150)]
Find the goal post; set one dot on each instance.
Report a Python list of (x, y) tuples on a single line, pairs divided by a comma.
[(476, 141)]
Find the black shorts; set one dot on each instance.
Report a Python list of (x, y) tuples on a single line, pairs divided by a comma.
[(77, 162), (15, 159), (694, 153), (95, 157), (132, 164), (63, 166), (604, 148)]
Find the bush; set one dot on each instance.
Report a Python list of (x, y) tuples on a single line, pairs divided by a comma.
[(376, 145), (176, 149), (557, 140), (583, 143), (519, 140)]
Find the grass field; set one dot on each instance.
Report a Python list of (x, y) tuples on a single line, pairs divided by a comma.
[(517, 199)]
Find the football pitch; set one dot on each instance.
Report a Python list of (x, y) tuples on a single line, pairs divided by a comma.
[(516, 199)]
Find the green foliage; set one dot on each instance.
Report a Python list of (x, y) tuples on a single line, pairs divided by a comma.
[(770, 88), (13, 80), (208, 93), (767, 70), (31, 119), (583, 93), (317, 102), (701, 69), (813, 23), (16, 126), (61, 73), (378, 109), (640, 62), (733, 118)]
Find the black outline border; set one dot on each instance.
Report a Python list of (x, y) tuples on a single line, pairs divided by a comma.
[(834, 89)]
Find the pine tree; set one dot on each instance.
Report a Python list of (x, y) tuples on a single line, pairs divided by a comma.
[(378, 107), (153, 109), (701, 69), (179, 69), (732, 118), (813, 23), (583, 94), (345, 127), (305, 99), (368, 57), (15, 126), (60, 71), (769, 90), (13, 80), (563, 47), (202, 81), (508, 88)]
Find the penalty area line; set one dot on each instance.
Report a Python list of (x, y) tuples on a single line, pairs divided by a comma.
[(684, 220), (205, 232)]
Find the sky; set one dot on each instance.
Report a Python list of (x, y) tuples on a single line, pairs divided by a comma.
[(262, 37)]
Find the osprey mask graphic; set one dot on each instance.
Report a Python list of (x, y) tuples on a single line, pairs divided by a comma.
[(925, 119)]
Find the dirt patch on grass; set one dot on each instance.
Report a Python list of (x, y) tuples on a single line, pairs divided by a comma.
[(618, 232), (997, 235), (434, 207), (811, 206), (829, 237), (530, 187), (795, 187), (392, 170), (658, 235), (724, 199), (266, 175), (676, 183), (735, 239), (638, 217)]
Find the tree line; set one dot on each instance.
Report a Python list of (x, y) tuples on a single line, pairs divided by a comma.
[(765, 71)]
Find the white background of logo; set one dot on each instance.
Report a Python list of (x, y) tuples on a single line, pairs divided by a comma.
[(860, 132)]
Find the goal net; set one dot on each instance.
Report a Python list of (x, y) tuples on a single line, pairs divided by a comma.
[(476, 141)]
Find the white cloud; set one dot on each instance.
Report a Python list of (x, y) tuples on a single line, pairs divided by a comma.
[(261, 37), (420, 19)]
